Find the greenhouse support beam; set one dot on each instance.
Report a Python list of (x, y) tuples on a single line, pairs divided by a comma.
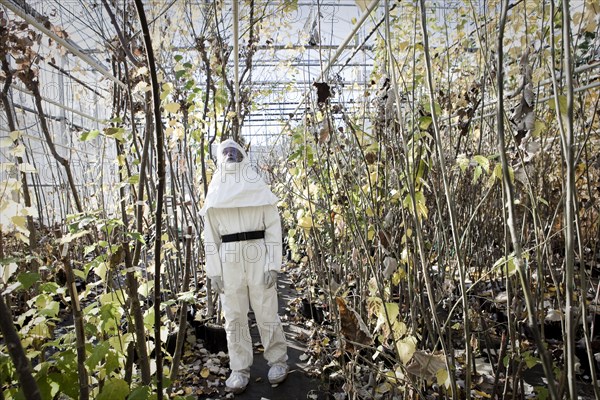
[(350, 36), (18, 10), (277, 47), (337, 54), (68, 148), (236, 68), (50, 117), (539, 101), (57, 104)]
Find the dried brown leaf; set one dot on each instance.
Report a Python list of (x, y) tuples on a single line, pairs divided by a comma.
[(353, 327)]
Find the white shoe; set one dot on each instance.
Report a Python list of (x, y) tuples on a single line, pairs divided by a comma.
[(237, 382), (278, 372)]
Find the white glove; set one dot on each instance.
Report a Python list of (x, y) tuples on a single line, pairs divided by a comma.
[(270, 278), (217, 284)]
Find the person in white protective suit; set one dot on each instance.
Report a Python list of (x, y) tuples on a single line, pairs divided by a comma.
[(242, 237)]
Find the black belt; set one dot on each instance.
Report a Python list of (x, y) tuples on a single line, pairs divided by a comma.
[(238, 237)]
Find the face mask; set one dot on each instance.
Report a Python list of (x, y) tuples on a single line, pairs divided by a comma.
[(232, 155)]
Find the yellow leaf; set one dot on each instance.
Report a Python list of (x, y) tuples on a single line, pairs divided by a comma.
[(406, 348), (141, 87), (69, 237), (41, 330), (305, 222), (22, 238), (19, 221), (403, 45), (27, 168), (166, 90), (383, 388), (5, 142), (6, 271), (362, 4), (18, 151), (172, 107), (141, 71), (14, 135), (442, 377), (370, 233), (205, 372), (29, 211)]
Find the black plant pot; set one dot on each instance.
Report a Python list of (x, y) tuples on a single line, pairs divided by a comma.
[(213, 336)]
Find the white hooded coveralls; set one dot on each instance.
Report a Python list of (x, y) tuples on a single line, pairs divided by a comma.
[(238, 200)]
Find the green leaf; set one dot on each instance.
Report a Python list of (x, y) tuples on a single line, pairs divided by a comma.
[(79, 273), (425, 122), (97, 355), (189, 85), (137, 236), (221, 98), (93, 134), (538, 128), (51, 309), (477, 173), (462, 161), (134, 179), (562, 104), (120, 343), (530, 360), (46, 386), (509, 263), (149, 318), (114, 389), (180, 73), (109, 314), (49, 287), (427, 107), (67, 381), (116, 133), (542, 392), (88, 249), (178, 57), (188, 296), (140, 393), (27, 279), (116, 296), (483, 161), (497, 171)]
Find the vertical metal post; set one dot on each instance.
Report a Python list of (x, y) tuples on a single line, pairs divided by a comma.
[(236, 71)]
